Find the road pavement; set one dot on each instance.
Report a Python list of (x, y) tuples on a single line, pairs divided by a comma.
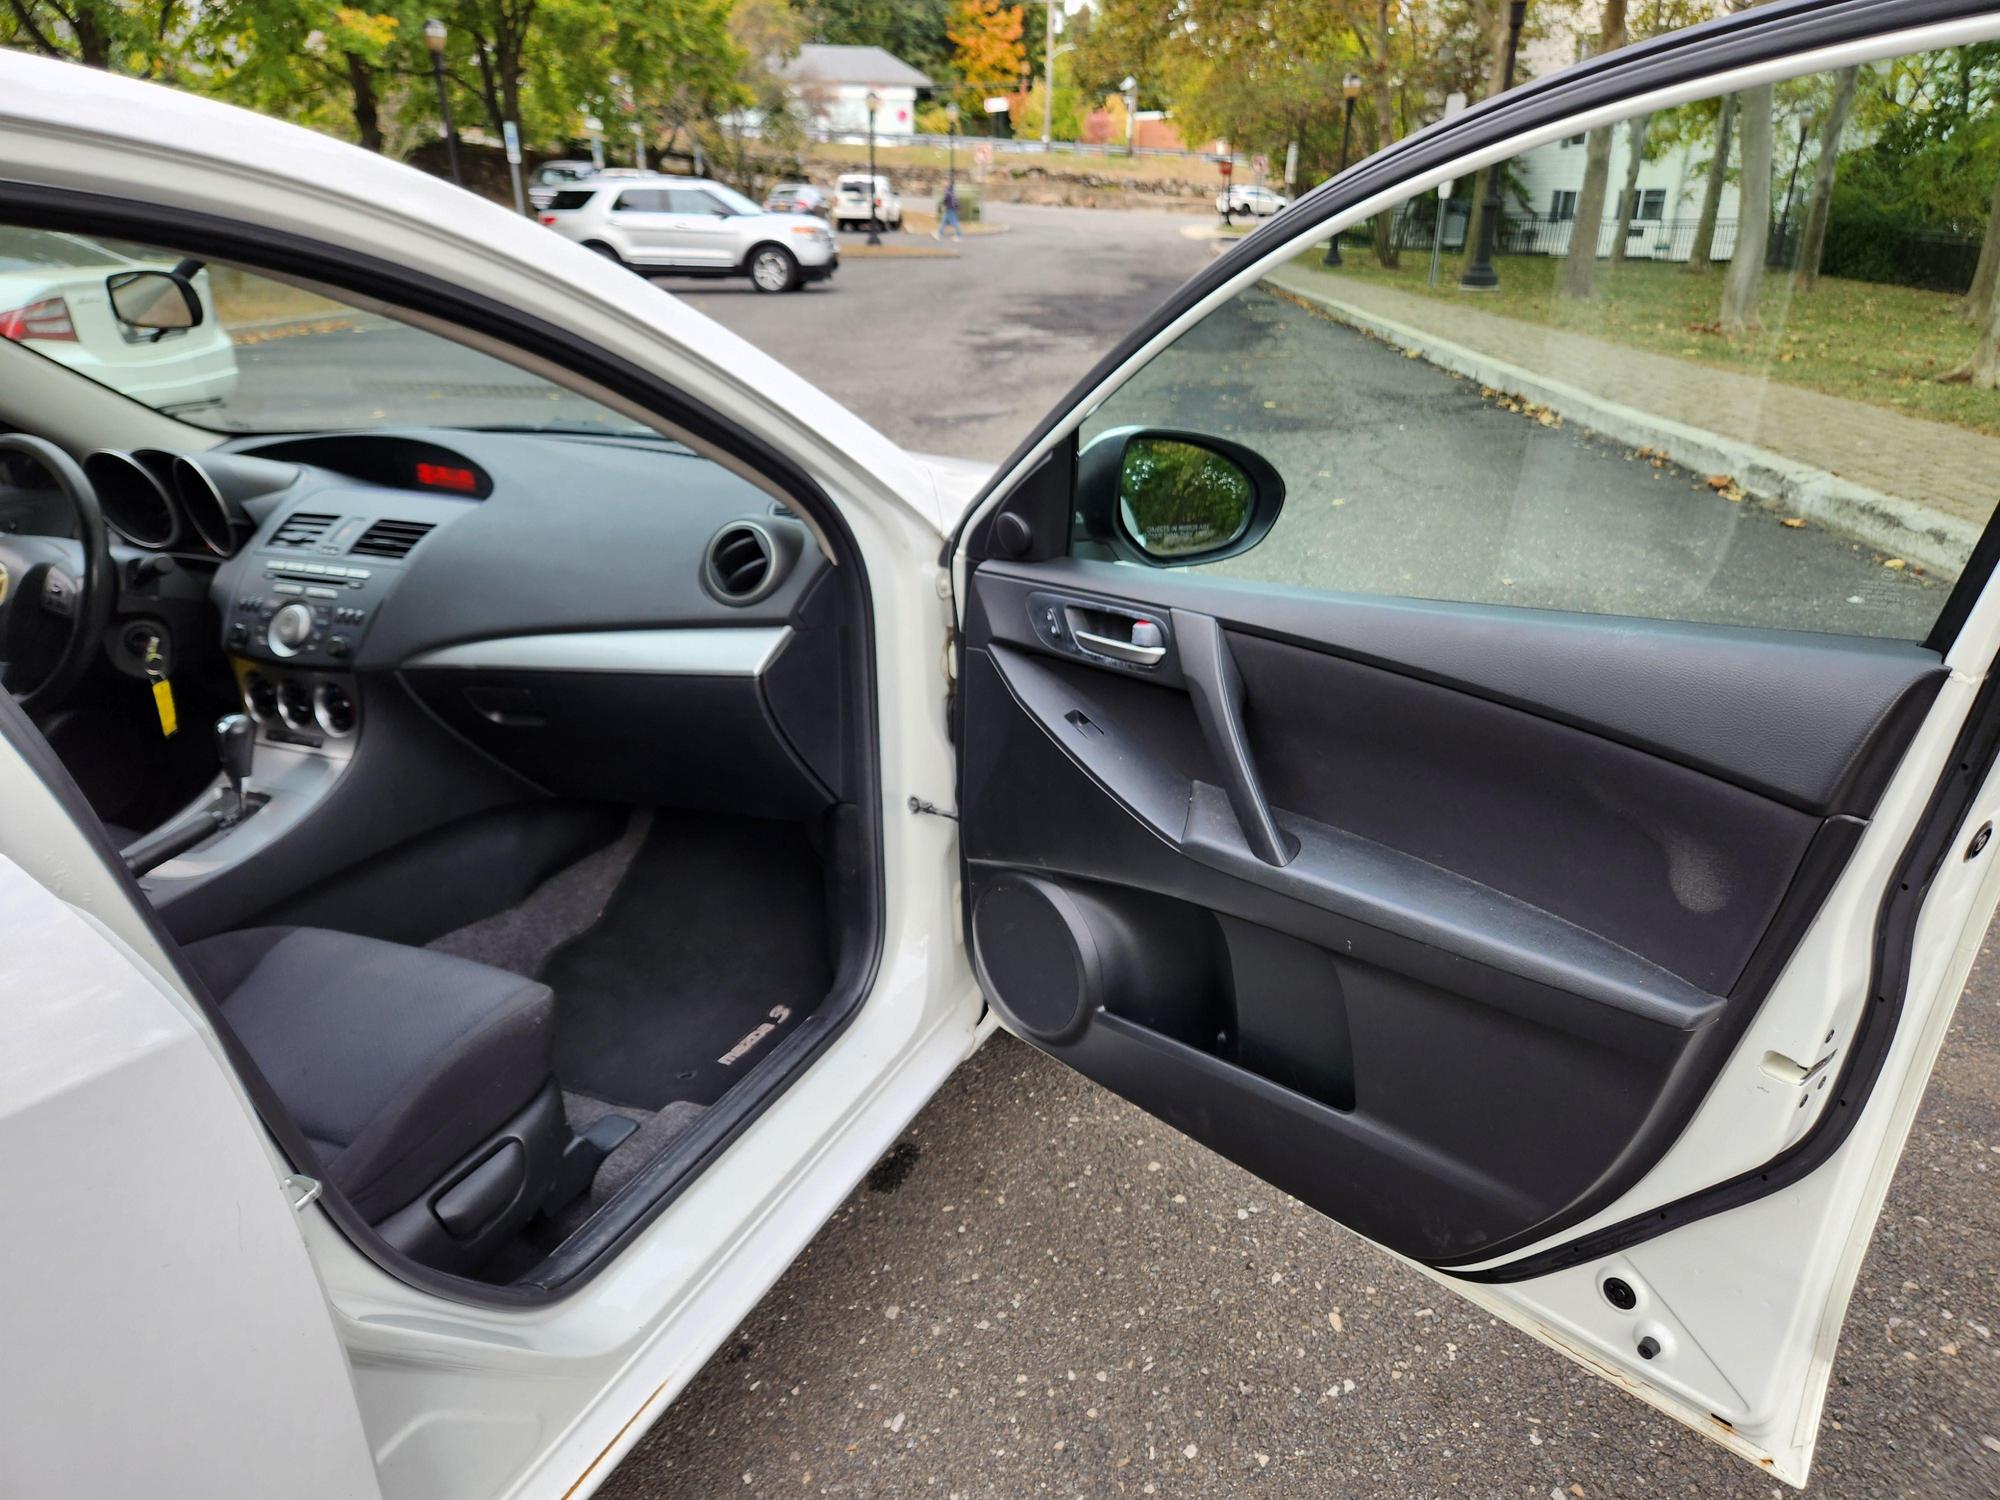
[(1041, 1291)]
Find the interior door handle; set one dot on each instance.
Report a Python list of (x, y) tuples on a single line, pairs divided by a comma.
[(1117, 650), (1217, 690)]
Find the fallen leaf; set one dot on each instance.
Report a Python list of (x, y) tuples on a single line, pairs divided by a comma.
[(1894, 564), (1720, 481), (1795, 522), (1333, 1320)]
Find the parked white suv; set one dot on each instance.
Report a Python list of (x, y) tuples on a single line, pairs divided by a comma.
[(692, 227), (850, 202), (1251, 200)]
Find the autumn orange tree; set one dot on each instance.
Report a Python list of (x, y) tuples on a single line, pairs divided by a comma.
[(986, 50)]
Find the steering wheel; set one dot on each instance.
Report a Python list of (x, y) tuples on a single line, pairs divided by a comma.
[(46, 579)]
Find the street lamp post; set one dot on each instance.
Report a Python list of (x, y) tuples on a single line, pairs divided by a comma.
[(434, 34), (1130, 89), (1480, 275), (874, 102), (951, 145), (1350, 90)]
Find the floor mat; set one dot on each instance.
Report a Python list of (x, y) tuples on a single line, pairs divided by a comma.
[(712, 949), (521, 938)]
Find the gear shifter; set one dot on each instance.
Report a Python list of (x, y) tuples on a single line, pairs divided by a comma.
[(235, 742)]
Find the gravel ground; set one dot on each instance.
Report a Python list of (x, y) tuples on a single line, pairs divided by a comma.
[(1041, 1291)]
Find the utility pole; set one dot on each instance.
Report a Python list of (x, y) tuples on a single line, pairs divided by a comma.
[(1049, 75)]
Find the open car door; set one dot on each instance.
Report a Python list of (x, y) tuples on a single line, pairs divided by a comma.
[(1519, 785)]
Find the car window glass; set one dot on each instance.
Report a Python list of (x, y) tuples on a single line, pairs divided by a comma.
[(1733, 362), (641, 201), (572, 199), (266, 356)]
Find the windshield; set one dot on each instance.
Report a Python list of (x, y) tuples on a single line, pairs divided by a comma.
[(269, 357)]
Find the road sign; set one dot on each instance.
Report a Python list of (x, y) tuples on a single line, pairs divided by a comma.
[(511, 134), (983, 154), (1226, 166), (1261, 165)]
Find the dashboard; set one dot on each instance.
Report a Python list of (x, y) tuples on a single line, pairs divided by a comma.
[(607, 616)]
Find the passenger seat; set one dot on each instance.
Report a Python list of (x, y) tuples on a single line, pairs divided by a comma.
[(425, 1082)]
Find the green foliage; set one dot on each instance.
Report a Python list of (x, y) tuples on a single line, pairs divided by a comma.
[(913, 30), (1180, 499)]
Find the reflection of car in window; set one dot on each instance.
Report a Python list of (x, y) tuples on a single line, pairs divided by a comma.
[(53, 298)]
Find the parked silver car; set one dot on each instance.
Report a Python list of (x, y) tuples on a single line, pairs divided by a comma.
[(691, 226)]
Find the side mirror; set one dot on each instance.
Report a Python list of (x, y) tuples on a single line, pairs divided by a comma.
[(154, 301), (1171, 498)]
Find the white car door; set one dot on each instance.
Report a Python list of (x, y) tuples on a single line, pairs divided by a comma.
[(153, 1239), (459, 1393), (703, 232), (1525, 791)]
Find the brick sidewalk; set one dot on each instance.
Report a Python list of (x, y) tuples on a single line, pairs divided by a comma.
[(1948, 469)]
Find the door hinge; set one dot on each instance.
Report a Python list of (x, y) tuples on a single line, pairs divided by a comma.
[(303, 1191)]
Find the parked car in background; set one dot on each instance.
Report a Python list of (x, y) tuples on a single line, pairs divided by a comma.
[(692, 226), (1251, 200), (53, 297), (551, 175), (797, 198), (851, 208)]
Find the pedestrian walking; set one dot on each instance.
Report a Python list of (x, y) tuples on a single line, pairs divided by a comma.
[(948, 214)]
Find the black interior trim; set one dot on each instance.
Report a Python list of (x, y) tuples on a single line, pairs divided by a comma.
[(1738, 724), (860, 945), (1932, 844)]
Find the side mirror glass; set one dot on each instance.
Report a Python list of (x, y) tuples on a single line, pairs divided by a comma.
[(154, 301), (1178, 499), (1171, 497)]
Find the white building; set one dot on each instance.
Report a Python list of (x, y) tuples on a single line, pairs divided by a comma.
[(1668, 191), (831, 86)]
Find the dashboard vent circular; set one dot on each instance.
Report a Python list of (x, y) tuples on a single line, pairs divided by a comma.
[(743, 563)]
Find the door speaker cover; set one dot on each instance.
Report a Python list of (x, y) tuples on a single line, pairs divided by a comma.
[(1036, 958)]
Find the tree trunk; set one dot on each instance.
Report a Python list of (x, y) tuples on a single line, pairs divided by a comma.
[(488, 94), (1628, 204), (1982, 371), (1385, 132), (367, 113), (1745, 281), (1496, 77), (1979, 301), (1579, 272), (1813, 244), (1701, 258)]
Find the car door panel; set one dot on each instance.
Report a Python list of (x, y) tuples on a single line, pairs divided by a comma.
[(1510, 950)]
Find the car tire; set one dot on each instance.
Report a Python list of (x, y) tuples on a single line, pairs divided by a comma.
[(773, 268), (609, 252)]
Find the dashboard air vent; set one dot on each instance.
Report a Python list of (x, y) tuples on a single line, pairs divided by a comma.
[(390, 538), (302, 529), (742, 564)]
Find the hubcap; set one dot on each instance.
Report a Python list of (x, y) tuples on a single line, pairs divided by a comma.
[(770, 270)]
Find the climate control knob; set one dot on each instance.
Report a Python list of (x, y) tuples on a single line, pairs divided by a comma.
[(289, 630)]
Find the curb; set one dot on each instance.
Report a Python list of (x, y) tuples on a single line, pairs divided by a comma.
[(896, 252), (1899, 527)]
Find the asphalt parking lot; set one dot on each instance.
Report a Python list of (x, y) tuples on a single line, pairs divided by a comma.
[(1041, 1291)]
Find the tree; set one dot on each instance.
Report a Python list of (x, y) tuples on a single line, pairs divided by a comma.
[(1813, 245), (1701, 257), (124, 36), (1979, 301), (1982, 371), (333, 70), (1385, 132), (1742, 286), (917, 31), (1628, 199), (1578, 278), (986, 50)]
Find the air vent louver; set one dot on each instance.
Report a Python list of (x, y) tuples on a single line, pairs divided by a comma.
[(740, 564), (302, 529), (390, 539)]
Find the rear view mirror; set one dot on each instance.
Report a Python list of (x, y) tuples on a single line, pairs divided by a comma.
[(154, 301), (1172, 498)]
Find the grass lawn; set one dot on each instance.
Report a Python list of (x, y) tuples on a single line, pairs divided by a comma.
[(1885, 345)]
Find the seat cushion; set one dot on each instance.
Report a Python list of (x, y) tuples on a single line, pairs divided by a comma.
[(395, 1061)]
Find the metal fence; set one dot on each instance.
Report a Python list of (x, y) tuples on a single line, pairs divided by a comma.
[(1415, 225)]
